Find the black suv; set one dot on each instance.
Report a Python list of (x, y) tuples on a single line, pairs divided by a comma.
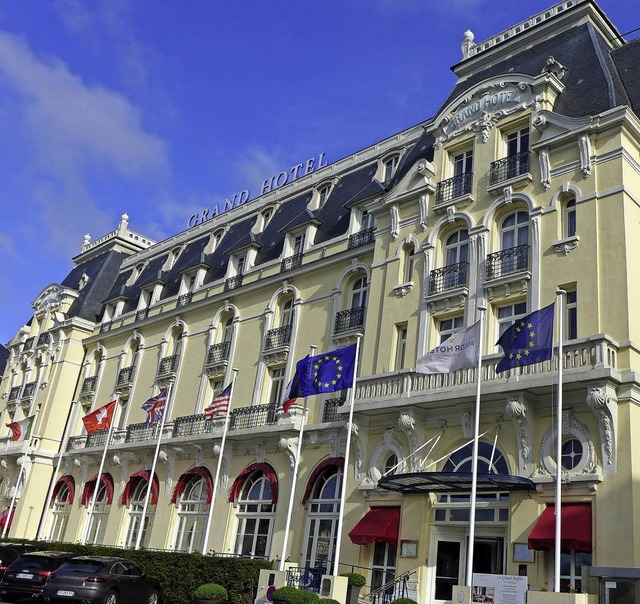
[(10, 552), (25, 578)]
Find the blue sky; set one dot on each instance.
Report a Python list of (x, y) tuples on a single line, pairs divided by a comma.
[(159, 108)]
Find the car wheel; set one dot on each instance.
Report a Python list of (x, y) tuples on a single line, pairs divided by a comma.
[(154, 597), (111, 598)]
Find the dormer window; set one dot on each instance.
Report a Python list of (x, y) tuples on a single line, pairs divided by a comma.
[(172, 259), (390, 165), (214, 241), (266, 217), (323, 194)]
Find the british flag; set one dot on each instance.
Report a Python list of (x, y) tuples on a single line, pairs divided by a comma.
[(155, 407)]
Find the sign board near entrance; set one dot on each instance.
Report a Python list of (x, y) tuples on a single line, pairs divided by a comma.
[(498, 589)]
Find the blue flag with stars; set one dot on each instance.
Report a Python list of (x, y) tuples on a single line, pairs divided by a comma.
[(328, 372), (529, 340)]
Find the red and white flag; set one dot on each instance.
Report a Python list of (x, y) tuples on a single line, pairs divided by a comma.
[(220, 404), (22, 429), (100, 419)]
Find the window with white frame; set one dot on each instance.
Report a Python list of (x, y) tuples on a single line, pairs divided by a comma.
[(447, 327), (98, 522), (359, 293), (367, 221), (323, 195), (508, 315), (60, 513), (277, 386), (571, 315), (255, 517), (136, 505), (518, 141), (267, 215), (463, 162), (457, 248), (408, 255), (569, 218), (515, 230), (401, 345), (390, 166), (240, 264), (193, 512)]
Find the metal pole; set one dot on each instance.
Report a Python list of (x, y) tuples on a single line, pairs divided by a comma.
[(476, 438), (336, 562), (558, 538)]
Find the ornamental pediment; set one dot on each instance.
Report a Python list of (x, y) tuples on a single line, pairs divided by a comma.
[(482, 106), (51, 298)]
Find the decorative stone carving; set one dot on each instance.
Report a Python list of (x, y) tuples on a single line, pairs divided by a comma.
[(407, 423), (584, 144), (554, 67), (402, 289), (395, 221), (604, 408), (516, 409), (451, 214), (286, 446), (564, 246), (508, 195), (543, 158), (424, 211)]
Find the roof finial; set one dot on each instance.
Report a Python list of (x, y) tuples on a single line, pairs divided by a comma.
[(467, 44)]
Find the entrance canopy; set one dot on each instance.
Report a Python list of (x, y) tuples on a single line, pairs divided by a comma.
[(575, 528), (377, 525), (452, 482)]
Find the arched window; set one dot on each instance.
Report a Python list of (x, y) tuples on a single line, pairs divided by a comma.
[(98, 521), (323, 505), (515, 230), (390, 166), (359, 293), (193, 512), (353, 316), (408, 257), (134, 497), (456, 257), (569, 218), (61, 502), (256, 512)]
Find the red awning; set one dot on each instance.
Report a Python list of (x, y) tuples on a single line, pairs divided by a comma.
[(575, 528), (3, 517), (187, 476), (90, 485), (134, 480), (331, 462), (71, 488), (379, 525), (266, 469)]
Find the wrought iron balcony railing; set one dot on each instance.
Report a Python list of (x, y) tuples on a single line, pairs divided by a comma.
[(291, 262), (353, 318), (362, 237), (307, 579), (449, 189), (509, 167), (218, 352), (192, 424), (448, 277), (44, 339), (507, 262), (253, 417), (97, 439), (125, 376), (29, 390), (13, 393), (185, 299), (330, 410), (168, 365), (28, 344), (233, 283), (89, 384), (142, 314), (278, 337), (141, 432), (105, 326)]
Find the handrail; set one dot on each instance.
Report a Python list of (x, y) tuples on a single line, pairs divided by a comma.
[(388, 591)]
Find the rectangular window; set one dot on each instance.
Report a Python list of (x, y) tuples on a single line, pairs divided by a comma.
[(277, 385), (240, 264), (463, 163), (518, 141), (401, 345), (571, 316), (507, 315), (298, 244), (447, 327)]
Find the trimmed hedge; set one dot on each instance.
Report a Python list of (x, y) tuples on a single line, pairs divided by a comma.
[(180, 574)]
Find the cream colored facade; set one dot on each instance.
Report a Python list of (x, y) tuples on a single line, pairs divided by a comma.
[(496, 202)]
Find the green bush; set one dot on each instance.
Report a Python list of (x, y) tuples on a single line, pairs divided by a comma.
[(355, 579), (327, 601), (309, 597), (211, 591), (404, 601), (180, 574), (293, 595)]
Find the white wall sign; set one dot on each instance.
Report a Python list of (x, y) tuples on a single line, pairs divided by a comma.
[(498, 589)]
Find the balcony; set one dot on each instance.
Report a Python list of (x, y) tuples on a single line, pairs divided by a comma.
[(185, 299), (125, 376), (168, 366), (142, 314), (191, 425), (89, 385), (13, 393), (513, 170), (362, 237), (347, 320), (28, 344), (291, 262), (218, 353), (456, 189), (29, 390), (141, 432), (507, 262), (44, 339), (233, 283), (330, 410), (253, 417), (278, 338), (447, 278)]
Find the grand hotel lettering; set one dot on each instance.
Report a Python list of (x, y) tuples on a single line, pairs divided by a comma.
[(275, 182)]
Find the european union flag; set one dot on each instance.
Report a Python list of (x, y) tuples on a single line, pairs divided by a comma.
[(529, 340), (327, 372)]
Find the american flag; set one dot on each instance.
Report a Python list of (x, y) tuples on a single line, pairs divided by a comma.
[(220, 404), (155, 407)]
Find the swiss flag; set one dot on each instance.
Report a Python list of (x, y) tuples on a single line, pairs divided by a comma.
[(100, 419)]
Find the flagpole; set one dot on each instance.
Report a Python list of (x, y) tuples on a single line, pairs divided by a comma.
[(296, 463), (476, 438), (92, 503), (336, 562), (558, 537), (9, 519), (152, 472), (219, 466)]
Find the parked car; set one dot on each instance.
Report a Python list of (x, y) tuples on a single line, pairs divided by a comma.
[(25, 577), (10, 552), (103, 580)]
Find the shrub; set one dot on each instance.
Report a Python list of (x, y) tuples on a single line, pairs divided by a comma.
[(327, 601), (404, 601), (211, 591), (292, 595), (355, 579)]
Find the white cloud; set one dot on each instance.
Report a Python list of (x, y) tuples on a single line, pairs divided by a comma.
[(255, 166)]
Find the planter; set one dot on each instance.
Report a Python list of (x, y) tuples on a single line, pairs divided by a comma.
[(353, 593)]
